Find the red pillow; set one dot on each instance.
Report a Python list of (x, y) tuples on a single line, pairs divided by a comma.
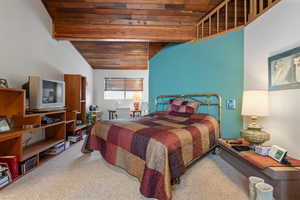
[(183, 106)]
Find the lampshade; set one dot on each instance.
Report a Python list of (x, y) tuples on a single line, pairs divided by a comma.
[(137, 96), (255, 103)]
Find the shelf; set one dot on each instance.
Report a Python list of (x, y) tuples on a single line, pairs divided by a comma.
[(80, 127), (12, 90), (46, 158), (53, 112), (27, 115), (53, 124), (70, 121), (16, 132), (39, 147)]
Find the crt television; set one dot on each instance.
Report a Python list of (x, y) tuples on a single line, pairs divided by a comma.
[(44, 94)]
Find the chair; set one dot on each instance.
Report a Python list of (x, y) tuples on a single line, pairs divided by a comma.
[(123, 113)]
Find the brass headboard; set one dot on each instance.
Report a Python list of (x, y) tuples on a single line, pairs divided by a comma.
[(212, 103)]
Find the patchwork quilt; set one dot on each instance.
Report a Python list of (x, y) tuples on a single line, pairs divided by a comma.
[(157, 148)]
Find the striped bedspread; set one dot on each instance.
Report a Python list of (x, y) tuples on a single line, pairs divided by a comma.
[(156, 148)]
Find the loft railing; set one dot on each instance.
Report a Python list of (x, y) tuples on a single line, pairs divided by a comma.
[(231, 15)]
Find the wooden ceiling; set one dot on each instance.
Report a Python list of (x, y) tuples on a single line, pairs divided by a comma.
[(94, 26), (118, 55)]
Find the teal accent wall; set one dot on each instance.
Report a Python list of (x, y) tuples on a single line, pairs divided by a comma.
[(211, 66)]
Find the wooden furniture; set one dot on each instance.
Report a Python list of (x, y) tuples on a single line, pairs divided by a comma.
[(75, 101), (285, 180), (12, 105), (112, 114)]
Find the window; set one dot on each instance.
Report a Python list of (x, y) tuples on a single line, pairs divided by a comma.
[(123, 88)]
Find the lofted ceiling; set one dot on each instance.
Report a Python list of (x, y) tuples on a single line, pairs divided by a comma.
[(123, 34)]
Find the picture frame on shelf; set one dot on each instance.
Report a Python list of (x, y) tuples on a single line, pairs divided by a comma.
[(4, 125), (277, 153), (3, 83)]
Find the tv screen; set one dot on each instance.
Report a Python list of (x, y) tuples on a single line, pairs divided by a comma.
[(52, 92)]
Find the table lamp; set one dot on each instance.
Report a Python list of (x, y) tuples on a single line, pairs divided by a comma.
[(137, 98), (255, 105)]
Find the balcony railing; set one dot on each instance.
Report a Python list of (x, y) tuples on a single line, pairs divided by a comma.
[(231, 15)]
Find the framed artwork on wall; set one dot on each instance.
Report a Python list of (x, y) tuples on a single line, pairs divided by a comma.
[(284, 70)]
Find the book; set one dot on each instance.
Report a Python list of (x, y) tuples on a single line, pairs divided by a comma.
[(4, 170), (28, 165), (55, 151), (3, 179), (4, 184), (12, 163), (62, 144)]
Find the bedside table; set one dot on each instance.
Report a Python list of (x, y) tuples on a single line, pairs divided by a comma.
[(284, 179)]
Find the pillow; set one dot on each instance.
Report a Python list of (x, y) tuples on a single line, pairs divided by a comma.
[(183, 106)]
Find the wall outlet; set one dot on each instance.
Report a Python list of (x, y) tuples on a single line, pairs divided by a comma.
[(231, 104)]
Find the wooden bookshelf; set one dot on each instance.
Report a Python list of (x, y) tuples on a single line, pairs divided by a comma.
[(12, 106), (75, 101)]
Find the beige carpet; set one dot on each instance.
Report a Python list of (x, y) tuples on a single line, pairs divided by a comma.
[(73, 176)]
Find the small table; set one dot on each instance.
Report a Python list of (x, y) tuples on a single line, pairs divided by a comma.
[(285, 180), (113, 114)]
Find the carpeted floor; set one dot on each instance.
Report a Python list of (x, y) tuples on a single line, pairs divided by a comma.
[(74, 176)]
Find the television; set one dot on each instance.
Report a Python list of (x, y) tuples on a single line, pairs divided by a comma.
[(44, 94)]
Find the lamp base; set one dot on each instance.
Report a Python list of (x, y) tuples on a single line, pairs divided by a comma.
[(253, 125), (255, 136)]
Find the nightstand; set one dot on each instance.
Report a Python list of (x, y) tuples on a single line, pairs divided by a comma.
[(284, 179)]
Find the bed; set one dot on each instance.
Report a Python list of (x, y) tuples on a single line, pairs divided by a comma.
[(158, 148)]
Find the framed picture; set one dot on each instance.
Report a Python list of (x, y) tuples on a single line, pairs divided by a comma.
[(231, 104), (277, 153), (3, 83), (284, 70), (4, 125)]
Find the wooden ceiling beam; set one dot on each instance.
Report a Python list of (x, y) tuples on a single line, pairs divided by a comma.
[(122, 32), (194, 6), (131, 67)]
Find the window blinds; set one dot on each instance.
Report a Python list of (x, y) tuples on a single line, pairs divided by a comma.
[(124, 84)]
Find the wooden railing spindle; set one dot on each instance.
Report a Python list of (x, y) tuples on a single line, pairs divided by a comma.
[(209, 25), (226, 16), (235, 13), (245, 12), (261, 5), (218, 21)]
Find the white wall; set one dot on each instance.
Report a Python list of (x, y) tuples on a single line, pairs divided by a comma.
[(99, 76), (276, 31), (26, 46)]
